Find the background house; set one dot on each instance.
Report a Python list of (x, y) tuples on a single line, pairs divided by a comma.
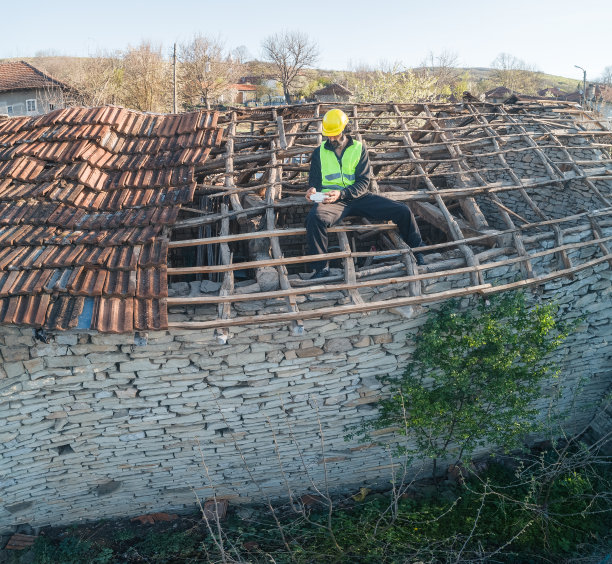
[(241, 93), (553, 92), (25, 90), (333, 93), (498, 95)]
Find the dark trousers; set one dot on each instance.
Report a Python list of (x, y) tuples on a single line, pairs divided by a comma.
[(370, 206)]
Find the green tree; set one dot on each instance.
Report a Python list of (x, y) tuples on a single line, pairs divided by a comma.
[(474, 377)]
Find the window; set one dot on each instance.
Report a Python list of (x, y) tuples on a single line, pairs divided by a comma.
[(30, 106), (51, 107), (9, 110)]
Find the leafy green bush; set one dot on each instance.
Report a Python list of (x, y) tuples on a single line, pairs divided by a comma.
[(474, 378)]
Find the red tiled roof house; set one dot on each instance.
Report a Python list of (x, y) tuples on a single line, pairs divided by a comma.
[(26, 90)]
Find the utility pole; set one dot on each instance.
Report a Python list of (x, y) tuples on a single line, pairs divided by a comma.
[(174, 77), (583, 85)]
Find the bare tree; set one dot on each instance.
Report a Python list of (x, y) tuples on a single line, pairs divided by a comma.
[(290, 52), (94, 80), (442, 66), (146, 79), (205, 70), (241, 54), (443, 69), (100, 80), (606, 76), (515, 74)]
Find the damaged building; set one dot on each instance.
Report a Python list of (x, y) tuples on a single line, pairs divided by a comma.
[(161, 337)]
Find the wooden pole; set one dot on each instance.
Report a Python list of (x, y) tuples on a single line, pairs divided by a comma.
[(174, 79)]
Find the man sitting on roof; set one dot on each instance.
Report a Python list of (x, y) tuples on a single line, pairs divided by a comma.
[(340, 168)]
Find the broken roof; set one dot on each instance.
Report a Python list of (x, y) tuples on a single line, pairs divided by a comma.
[(100, 207), (86, 195), (23, 76)]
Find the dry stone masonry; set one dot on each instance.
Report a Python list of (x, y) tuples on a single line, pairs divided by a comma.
[(95, 426)]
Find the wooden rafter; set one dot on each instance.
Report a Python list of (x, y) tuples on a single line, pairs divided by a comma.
[(447, 161)]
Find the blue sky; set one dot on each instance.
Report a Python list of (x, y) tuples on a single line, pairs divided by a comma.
[(553, 35)]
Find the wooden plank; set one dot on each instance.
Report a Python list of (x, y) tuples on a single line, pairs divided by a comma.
[(468, 205), (254, 264), (441, 246), (281, 132), (360, 138), (349, 269), (484, 289), (414, 289), (454, 228), (227, 286), (495, 140), (432, 214), (381, 282), (273, 190), (276, 233), (598, 232)]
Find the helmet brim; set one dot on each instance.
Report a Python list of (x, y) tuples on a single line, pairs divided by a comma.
[(332, 132)]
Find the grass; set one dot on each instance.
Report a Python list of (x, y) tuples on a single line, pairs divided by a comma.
[(514, 514)]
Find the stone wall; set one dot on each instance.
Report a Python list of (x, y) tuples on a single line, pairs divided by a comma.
[(96, 426)]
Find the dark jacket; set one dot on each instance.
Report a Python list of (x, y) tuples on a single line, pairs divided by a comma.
[(363, 173)]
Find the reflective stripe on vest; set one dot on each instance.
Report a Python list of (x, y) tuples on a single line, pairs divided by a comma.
[(335, 176)]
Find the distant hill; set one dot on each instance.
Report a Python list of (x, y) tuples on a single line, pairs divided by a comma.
[(483, 74)]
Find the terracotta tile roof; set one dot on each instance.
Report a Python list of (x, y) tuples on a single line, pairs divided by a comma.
[(85, 194), (243, 87), (23, 76)]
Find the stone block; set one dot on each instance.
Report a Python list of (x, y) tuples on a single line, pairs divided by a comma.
[(14, 353), (267, 279), (132, 436), (209, 287), (362, 342), (384, 338), (50, 349), (309, 352), (245, 358), (65, 338), (250, 288), (138, 365), (338, 345), (70, 361), (34, 366), (18, 340), (56, 415), (176, 363), (14, 369)]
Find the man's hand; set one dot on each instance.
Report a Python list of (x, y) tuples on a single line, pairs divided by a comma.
[(310, 192), (331, 196)]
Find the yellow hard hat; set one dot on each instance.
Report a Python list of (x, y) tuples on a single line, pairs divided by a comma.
[(334, 122)]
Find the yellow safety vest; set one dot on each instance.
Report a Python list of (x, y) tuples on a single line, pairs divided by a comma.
[(337, 175)]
